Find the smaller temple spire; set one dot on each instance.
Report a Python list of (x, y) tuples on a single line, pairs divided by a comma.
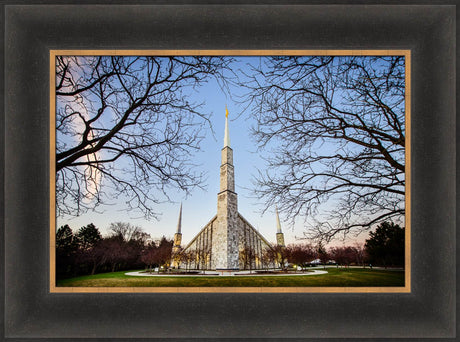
[(279, 233), (278, 224), (227, 136), (177, 241), (179, 222), (178, 236)]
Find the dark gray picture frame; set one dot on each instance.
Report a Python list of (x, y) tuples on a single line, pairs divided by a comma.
[(30, 311)]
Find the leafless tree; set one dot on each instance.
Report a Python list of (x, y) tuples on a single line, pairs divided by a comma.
[(126, 128), (322, 254), (189, 257), (300, 254), (165, 251), (270, 254), (202, 255), (115, 251), (95, 256), (265, 258), (344, 255), (149, 256), (269, 258), (332, 130), (360, 253), (178, 258), (127, 231), (247, 257), (281, 254), (157, 255)]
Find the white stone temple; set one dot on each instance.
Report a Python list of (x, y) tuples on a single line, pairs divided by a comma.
[(228, 242)]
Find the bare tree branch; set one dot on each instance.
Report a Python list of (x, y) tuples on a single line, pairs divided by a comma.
[(126, 129), (332, 133)]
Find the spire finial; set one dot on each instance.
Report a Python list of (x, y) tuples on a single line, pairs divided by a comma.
[(227, 136)]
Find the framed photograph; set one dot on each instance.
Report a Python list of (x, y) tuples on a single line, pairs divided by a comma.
[(341, 120), (94, 86)]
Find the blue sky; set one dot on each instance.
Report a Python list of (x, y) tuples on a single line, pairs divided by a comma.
[(201, 206)]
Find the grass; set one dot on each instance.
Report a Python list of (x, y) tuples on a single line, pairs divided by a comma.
[(353, 277)]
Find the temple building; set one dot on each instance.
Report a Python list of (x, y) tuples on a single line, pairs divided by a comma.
[(228, 242)]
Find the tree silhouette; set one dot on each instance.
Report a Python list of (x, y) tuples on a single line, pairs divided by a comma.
[(300, 254), (281, 256), (126, 128), (88, 236), (333, 130), (386, 245), (66, 248), (149, 255), (322, 254), (345, 255), (64, 237), (115, 251), (247, 257), (269, 258), (128, 232), (92, 257)]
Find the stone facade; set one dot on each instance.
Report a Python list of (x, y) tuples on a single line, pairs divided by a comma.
[(280, 239), (207, 254), (252, 246), (226, 240), (177, 242)]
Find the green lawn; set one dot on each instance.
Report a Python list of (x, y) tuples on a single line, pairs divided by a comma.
[(353, 277)]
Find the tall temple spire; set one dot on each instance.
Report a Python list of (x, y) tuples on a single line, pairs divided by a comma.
[(226, 136), (226, 238), (279, 232)]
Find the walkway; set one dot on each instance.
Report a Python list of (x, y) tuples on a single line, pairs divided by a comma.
[(224, 274)]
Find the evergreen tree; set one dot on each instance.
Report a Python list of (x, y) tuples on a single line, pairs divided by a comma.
[(88, 236), (386, 245), (65, 250), (64, 237)]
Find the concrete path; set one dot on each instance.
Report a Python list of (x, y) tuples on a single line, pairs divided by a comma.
[(224, 274)]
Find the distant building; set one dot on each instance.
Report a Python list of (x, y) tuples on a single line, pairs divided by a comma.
[(228, 242)]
